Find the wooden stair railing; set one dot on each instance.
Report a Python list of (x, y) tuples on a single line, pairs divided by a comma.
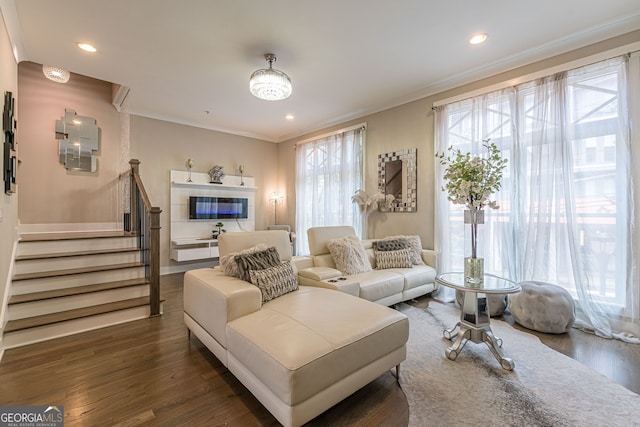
[(144, 222)]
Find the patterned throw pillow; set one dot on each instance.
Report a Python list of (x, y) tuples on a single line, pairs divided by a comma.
[(274, 281), (393, 259), (349, 255), (390, 244), (256, 261), (228, 263), (415, 247)]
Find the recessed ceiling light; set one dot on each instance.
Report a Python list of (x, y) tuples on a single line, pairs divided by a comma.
[(289, 117), (478, 38), (87, 47)]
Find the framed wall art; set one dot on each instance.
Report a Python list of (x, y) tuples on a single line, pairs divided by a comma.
[(10, 162)]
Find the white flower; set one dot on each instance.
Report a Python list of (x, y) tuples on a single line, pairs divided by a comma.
[(471, 181)]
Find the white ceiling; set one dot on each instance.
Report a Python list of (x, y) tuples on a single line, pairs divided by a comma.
[(346, 58)]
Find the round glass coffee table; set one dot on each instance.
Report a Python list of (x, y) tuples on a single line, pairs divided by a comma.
[(474, 324)]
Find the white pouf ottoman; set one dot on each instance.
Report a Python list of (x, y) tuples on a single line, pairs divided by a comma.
[(543, 307)]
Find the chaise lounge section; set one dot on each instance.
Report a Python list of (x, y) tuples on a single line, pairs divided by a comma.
[(300, 353)]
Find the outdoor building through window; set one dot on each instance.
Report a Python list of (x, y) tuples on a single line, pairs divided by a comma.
[(328, 173)]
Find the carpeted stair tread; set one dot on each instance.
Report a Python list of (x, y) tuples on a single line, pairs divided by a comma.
[(78, 253), (48, 319), (56, 273), (77, 290)]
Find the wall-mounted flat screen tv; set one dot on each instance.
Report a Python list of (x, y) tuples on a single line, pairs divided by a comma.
[(217, 207)]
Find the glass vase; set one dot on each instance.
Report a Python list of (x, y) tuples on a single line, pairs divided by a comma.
[(473, 271), (473, 261)]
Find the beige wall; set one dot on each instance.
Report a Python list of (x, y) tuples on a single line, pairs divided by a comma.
[(49, 193), (162, 146), (8, 203), (407, 126), (411, 125)]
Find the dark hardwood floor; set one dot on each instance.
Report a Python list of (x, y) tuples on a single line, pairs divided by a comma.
[(148, 373)]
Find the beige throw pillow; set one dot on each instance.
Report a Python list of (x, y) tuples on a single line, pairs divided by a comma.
[(349, 255)]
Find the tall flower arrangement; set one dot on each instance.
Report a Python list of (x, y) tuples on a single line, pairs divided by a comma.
[(471, 181)]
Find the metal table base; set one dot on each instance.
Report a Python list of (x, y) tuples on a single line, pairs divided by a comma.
[(474, 325)]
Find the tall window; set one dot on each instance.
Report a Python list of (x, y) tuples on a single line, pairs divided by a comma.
[(566, 205), (328, 172)]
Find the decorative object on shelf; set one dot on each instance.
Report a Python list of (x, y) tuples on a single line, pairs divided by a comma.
[(189, 167), (397, 177), (275, 198), (219, 230), (368, 204), (10, 163), (216, 173), (268, 83), (55, 74), (470, 181), (241, 170)]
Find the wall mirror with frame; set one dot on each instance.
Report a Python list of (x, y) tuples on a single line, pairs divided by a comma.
[(79, 141), (397, 176)]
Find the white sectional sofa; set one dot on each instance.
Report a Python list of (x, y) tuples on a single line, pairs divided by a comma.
[(383, 286), (300, 353)]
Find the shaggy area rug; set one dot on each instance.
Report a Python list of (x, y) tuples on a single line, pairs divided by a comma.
[(546, 388)]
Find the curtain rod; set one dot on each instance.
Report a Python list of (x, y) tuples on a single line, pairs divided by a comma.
[(362, 125), (628, 49)]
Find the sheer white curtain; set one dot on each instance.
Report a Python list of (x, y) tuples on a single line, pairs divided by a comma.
[(465, 125), (577, 207), (567, 213), (328, 172)]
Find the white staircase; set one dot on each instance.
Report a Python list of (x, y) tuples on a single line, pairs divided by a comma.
[(66, 283)]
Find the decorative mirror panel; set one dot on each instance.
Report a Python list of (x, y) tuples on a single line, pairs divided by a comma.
[(397, 176), (78, 141)]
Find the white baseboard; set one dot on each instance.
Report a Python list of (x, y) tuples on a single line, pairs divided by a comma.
[(69, 227)]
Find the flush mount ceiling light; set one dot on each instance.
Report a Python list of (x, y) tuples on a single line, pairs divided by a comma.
[(270, 84), (87, 47), (56, 74), (478, 38)]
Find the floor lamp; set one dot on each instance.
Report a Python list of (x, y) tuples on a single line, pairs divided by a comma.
[(275, 198)]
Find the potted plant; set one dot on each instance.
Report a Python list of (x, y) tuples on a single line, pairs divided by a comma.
[(218, 230), (470, 181)]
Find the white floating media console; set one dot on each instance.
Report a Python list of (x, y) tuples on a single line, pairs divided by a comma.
[(191, 239)]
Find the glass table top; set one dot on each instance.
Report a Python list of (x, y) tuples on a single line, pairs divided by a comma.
[(490, 285)]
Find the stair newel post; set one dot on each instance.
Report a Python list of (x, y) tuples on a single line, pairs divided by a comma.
[(133, 196), (154, 260)]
